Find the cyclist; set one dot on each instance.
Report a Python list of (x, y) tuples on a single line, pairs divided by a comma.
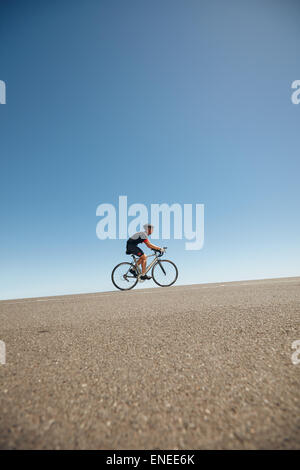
[(133, 249)]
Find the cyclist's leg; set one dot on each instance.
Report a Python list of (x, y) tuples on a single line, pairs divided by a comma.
[(142, 259), (143, 262), (135, 250)]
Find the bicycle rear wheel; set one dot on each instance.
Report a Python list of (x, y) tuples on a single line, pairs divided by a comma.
[(164, 273), (121, 277)]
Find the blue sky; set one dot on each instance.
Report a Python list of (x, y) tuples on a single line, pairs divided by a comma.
[(163, 101)]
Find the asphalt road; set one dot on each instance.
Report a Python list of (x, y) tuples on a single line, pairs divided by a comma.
[(188, 367)]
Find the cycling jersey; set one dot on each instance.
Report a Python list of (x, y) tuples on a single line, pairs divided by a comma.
[(137, 238), (134, 241)]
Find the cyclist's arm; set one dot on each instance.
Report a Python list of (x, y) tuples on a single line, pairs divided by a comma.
[(151, 246)]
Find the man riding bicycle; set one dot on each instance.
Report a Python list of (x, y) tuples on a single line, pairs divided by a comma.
[(133, 249)]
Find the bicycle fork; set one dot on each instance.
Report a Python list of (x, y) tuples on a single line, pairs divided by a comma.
[(161, 266)]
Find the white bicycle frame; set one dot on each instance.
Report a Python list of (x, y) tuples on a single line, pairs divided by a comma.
[(137, 267)]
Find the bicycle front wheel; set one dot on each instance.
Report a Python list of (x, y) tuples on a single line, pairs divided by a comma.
[(122, 278), (164, 273)]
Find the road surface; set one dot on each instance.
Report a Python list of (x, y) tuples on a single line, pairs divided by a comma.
[(187, 367)]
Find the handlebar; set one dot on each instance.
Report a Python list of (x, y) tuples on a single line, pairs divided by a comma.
[(158, 251)]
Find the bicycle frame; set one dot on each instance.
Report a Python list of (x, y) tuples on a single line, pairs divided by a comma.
[(155, 261)]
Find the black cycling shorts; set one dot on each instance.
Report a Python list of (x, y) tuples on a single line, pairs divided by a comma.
[(134, 250)]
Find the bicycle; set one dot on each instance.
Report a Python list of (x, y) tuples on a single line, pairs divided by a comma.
[(164, 272)]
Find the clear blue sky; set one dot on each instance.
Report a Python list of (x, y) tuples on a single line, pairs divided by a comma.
[(162, 101)]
